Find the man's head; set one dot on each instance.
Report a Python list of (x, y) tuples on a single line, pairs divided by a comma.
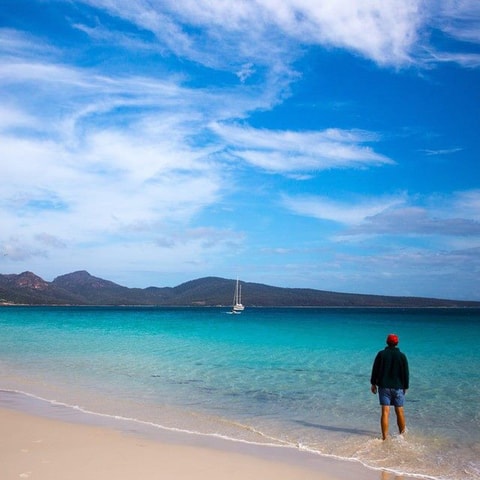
[(392, 340)]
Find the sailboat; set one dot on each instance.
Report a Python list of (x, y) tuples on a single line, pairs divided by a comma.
[(237, 299)]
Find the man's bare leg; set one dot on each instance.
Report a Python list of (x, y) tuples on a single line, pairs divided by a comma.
[(384, 420), (400, 419)]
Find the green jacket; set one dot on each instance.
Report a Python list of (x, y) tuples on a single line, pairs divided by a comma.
[(390, 369)]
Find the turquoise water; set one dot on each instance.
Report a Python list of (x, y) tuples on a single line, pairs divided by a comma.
[(296, 377)]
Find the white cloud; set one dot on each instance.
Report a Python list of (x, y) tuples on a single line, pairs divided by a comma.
[(290, 152), (345, 213), (381, 30), (245, 71), (416, 221), (14, 43), (462, 204), (455, 216), (268, 32), (90, 160), (112, 176), (460, 19), (466, 60), (443, 274), (70, 172), (13, 118), (444, 151), (14, 72)]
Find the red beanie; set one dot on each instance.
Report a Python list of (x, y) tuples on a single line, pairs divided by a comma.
[(392, 339)]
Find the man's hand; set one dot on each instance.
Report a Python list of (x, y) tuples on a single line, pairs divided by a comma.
[(373, 388)]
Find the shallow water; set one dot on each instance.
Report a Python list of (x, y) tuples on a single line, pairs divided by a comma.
[(296, 377)]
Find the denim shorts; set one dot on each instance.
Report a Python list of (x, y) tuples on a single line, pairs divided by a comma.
[(391, 396)]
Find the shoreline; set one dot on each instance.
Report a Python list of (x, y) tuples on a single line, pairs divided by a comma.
[(50, 443), (47, 449)]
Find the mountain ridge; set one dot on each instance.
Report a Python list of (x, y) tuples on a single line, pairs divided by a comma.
[(82, 288)]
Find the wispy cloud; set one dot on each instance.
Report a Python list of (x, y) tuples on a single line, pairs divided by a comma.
[(415, 221), (344, 213), (289, 152), (463, 204), (264, 32), (455, 216), (16, 43), (464, 59), (408, 270), (12, 118), (443, 151), (460, 19), (384, 31)]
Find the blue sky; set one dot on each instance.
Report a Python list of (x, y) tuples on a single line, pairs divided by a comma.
[(331, 145)]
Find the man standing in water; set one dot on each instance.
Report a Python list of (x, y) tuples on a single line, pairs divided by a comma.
[(390, 374)]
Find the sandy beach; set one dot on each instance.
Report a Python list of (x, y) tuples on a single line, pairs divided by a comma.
[(45, 449)]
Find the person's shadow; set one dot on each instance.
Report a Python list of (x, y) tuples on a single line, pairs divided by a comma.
[(330, 428)]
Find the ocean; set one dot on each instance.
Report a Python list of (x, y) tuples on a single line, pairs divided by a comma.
[(295, 377)]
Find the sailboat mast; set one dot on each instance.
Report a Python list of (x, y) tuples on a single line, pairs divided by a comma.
[(237, 298)]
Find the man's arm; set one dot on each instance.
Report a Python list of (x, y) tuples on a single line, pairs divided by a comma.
[(406, 373), (375, 374)]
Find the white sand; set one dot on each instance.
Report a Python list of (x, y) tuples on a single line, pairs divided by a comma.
[(44, 449)]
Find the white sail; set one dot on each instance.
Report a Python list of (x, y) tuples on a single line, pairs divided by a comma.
[(237, 299)]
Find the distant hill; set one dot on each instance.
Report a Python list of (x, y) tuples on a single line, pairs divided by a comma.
[(81, 288)]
